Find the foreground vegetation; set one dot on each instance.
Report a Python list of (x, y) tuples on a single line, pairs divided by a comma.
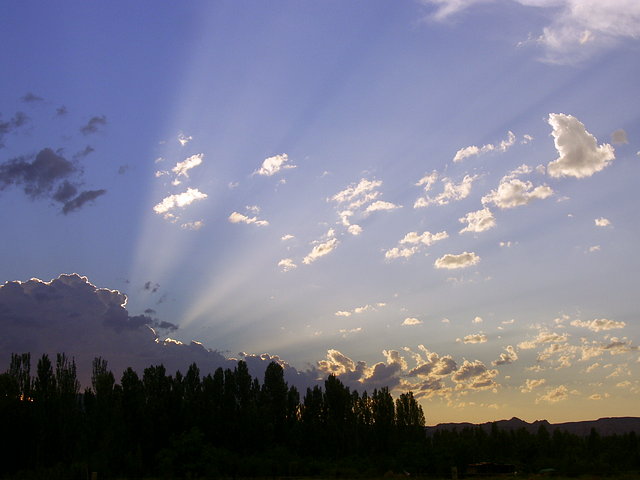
[(228, 424)]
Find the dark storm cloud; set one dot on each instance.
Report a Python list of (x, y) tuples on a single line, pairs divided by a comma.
[(30, 97), (93, 125), (18, 120), (49, 176), (81, 199), (71, 315)]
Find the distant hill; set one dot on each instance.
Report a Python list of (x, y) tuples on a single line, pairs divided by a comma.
[(604, 426)]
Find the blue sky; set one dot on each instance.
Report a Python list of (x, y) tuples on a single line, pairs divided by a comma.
[(435, 195)]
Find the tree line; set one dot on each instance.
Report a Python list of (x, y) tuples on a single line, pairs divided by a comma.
[(228, 424)]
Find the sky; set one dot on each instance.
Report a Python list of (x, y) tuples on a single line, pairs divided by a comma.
[(430, 195)]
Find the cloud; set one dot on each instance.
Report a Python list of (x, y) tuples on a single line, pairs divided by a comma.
[(272, 165), (599, 324), (93, 125), (417, 241), (180, 200), (543, 337), (411, 321), (286, 237), (49, 176), (602, 222), (286, 264), (513, 192), (237, 217), (320, 250), (451, 192), (61, 111), (354, 229), (578, 150), (475, 375), (69, 314), (532, 384), (197, 225), (358, 194), (84, 152), (474, 338), (576, 28), (184, 139), (462, 260), (183, 167), (478, 221), (473, 150), (361, 309), (554, 395), (30, 97), (381, 205), (507, 357), (82, 198), (427, 181), (477, 320), (19, 119)]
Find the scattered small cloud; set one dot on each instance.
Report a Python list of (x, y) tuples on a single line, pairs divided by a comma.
[(286, 237), (554, 395), (272, 165), (93, 125), (183, 167), (599, 324), (320, 250), (478, 221), (477, 320), (507, 357), (30, 97), (602, 222), (451, 192), (473, 338), (197, 225), (287, 264), (237, 217), (411, 321), (452, 261), (532, 384), (413, 242), (184, 139), (473, 150), (180, 200)]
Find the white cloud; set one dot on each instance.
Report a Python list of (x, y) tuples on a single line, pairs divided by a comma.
[(286, 237), (599, 324), (450, 192), (183, 167), (428, 180), (543, 337), (554, 395), (320, 250), (451, 261), (272, 165), (579, 153), (180, 200), (602, 222), (478, 221), (474, 338), (396, 252), (594, 248), (354, 229), (513, 192), (417, 241), (410, 321), (381, 205), (184, 139), (197, 225), (359, 194), (507, 357), (476, 375), (477, 320), (342, 313), (286, 264), (503, 146), (237, 217)]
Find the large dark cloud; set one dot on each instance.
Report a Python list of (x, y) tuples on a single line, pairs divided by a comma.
[(49, 175), (71, 315)]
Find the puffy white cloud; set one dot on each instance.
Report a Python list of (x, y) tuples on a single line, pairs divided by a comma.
[(396, 252), (343, 313), (451, 192), (381, 205), (474, 338), (287, 264), (180, 200), (197, 225), (602, 222), (513, 192), (361, 309), (598, 324), (183, 167), (507, 357), (594, 248), (286, 237), (532, 384), (462, 260), (358, 194), (478, 320), (354, 229), (473, 150), (578, 150), (272, 165), (320, 250), (478, 221), (475, 375), (237, 217), (411, 321), (554, 395)]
